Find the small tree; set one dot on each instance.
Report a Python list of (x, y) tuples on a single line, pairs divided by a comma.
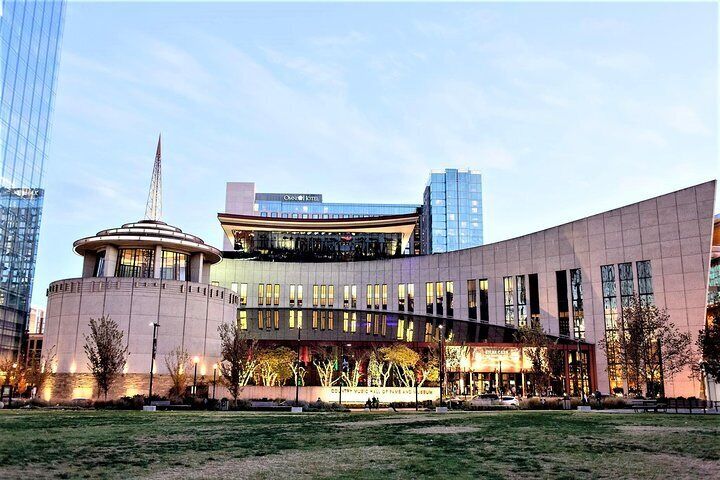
[(238, 363), (105, 352), (536, 345), (12, 371), (649, 348), (708, 344), (429, 367), (274, 365), (178, 363), (39, 370), (325, 360), (402, 360)]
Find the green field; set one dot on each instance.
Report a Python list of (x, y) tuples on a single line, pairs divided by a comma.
[(107, 444)]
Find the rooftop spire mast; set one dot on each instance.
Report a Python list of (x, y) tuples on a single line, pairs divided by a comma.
[(153, 209)]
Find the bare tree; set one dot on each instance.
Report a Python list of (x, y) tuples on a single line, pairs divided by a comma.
[(105, 352), (708, 343), (177, 363), (40, 369), (324, 359), (536, 345), (238, 364), (649, 348)]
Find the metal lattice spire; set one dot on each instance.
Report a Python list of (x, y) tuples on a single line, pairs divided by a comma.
[(153, 209)]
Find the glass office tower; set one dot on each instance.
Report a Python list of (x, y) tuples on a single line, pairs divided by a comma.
[(30, 32), (452, 211)]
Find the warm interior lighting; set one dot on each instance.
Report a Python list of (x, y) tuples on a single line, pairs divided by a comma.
[(202, 369)]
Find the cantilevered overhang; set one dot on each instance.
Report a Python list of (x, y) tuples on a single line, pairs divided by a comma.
[(403, 224)]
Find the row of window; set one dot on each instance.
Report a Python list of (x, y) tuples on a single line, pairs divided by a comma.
[(520, 295), (140, 263)]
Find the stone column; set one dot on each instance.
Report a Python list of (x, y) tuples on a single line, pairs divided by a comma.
[(111, 261), (158, 262)]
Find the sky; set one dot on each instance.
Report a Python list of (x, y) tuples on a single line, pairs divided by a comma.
[(566, 109)]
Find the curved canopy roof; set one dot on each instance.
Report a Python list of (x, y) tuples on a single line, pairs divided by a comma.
[(146, 233)]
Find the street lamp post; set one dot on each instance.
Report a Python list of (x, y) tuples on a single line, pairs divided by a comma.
[(580, 370), (215, 367), (342, 368), (196, 360), (442, 362), (297, 364), (155, 326)]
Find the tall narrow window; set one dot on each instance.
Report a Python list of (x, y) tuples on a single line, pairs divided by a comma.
[(610, 313), (439, 298), (261, 294), (563, 306), (316, 296), (484, 298), (300, 296), (243, 294), (377, 297), (346, 296), (268, 294), (645, 287), (411, 297), (242, 319), (291, 300), (521, 300), (509, 300), (627, 288), (401, 297), (353, 296), (449, 298), (323, 295), (369, 296), (234, 287), (534, 298), (410, 331), (384, 296), (331, 296), (472, 299), (429, 297), (276, 295), (576, 294)]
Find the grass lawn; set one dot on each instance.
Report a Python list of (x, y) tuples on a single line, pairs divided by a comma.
[(132, 444)]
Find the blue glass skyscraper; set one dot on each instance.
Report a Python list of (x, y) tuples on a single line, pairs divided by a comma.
[(30, 35), (452, 211)]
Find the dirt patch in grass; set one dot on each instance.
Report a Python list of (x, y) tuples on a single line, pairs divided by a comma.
[(655, 429), (322, 463), (442, 430)]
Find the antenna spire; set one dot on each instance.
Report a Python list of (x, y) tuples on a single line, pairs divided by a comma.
[(153, 209)]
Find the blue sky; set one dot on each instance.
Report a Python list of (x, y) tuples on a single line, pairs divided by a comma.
[(567, 109)]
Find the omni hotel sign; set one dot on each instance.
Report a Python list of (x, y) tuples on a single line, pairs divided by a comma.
[(289, 197)]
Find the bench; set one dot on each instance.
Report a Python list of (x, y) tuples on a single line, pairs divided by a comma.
[(646, 405), (268, 405)]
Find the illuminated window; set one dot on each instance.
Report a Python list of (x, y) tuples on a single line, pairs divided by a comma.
[(439, 298), (316, 295), (346, 296), (449, 296), (472, 299), (268, 294), (135, 262), (384, 296), (291, 299), (323, 295), (369, 295), (429, 298), (299, 295), (411, 297), (401, 297), (331, 296), (234, 287), (509, 289), (410, 331), (174, 265), (276, 295), (242, 319), (576, 294), (377, 296), (521, 300), (261, 294), (610, 313), (353, 296), (563, 305)]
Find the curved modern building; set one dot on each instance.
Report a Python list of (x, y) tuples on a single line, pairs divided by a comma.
[(574, 279), (336, 291)]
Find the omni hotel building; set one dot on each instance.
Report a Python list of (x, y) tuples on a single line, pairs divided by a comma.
[(321, 279)]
